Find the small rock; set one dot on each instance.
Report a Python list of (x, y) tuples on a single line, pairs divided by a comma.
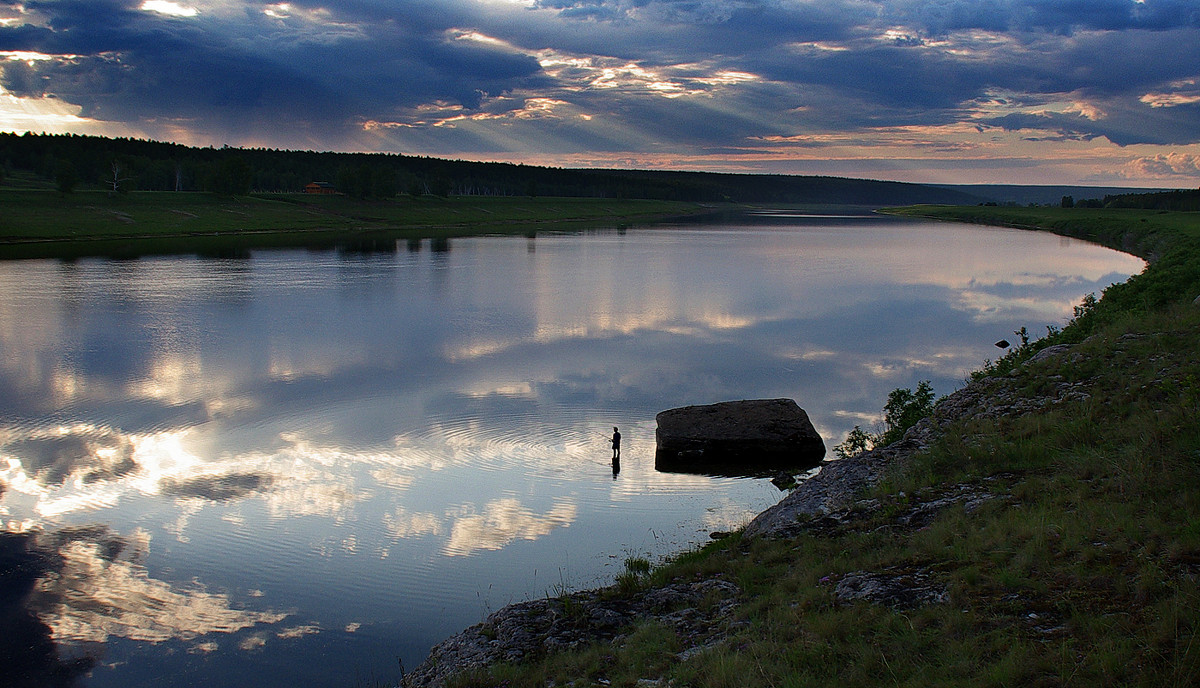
[(784, 481), (895, 590), (693, 651), (1048, 352)]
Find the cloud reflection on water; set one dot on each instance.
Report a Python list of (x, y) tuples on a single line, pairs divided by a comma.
[(95, 586), (502, 521), (280, 421), (218, 488), (354, 414), (86, 453)]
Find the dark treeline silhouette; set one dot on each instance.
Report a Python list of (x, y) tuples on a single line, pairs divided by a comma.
[(121, 164), (1185, 200), (1181, 199)]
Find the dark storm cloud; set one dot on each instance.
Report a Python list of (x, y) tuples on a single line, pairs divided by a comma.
[(317, 70), (931, 17), (1056, 16), (130, 64), (1111, 50)]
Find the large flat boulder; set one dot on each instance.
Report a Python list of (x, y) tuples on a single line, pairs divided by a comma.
[(739, 437)]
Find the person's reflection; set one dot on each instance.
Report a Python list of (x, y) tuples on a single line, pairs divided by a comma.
[(616, 456)]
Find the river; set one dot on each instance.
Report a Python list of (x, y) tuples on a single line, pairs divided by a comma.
[(306, 467)]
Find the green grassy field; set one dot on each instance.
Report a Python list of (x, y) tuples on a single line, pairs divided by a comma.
[(48, 223), (1082, 570)]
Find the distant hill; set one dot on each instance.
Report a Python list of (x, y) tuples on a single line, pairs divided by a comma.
[(70, 161), (1015, 194)]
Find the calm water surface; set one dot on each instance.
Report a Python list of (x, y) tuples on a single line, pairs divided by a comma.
[(298, 468)]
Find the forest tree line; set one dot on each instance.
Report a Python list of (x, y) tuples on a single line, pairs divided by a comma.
[(1185, 200), (69, 162)]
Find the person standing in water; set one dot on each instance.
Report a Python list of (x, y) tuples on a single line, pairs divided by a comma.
[(616, 442)]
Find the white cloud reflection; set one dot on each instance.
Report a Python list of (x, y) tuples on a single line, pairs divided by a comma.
[(103, 591), (298, 436), (402, 523), (425, 409), (502, 521)]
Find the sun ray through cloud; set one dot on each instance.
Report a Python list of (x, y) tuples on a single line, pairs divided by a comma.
[(768, 86)]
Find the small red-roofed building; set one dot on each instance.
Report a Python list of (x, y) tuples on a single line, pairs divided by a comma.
[(319, 188)]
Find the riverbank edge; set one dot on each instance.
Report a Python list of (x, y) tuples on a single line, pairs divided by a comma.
[(47, 224), (681, 603)]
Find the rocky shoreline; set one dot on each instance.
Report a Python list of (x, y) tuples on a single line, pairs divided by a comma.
[(701, 611)]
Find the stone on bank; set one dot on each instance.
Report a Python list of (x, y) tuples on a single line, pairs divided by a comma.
[(739, 437)]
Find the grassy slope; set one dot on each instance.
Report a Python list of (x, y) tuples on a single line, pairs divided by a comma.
[(48, 217), (1085, 570)]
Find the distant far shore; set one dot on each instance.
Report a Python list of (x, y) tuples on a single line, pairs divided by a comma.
[(50, 224)]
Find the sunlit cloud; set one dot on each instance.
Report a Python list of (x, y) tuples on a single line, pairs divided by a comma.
[(1166, 100), (169, 8), (49, 114), (1164, 166), (280, 10), (29, 56), (471, 35)]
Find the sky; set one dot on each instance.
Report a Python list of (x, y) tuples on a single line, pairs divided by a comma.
[(1096, 92)]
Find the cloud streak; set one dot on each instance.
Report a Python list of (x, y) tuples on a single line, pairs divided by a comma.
[(710, 85)]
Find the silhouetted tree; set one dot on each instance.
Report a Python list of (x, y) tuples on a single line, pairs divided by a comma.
[(903, 409), (857, 441), (232, 176), (384, 183), (346, 180), (66, 178), (441, 186), (416, 187)]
